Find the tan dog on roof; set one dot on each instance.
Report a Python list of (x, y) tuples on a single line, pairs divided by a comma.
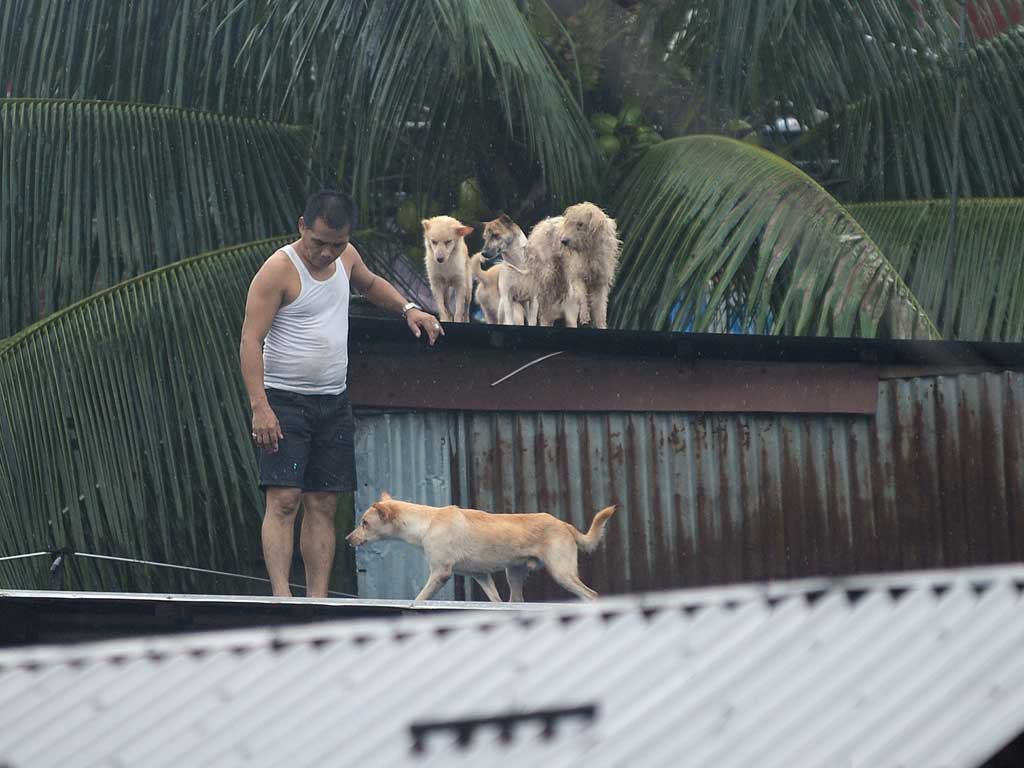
[(451, 283), (477, 543)]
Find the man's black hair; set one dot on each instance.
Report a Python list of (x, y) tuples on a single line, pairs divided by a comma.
[(337, 209)]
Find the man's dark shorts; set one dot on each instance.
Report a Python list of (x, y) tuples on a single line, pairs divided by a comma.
[(318, 449)]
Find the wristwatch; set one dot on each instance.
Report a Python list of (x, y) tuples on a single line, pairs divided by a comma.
[(408, 306)]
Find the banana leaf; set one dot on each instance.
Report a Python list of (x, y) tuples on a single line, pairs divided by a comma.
[(711, 224)]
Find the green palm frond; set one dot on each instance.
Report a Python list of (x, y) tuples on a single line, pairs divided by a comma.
[(359, 73), (126, 427), (95, 193), (390, 83), (792, 56), (126, 430), (879, 75), (898, 143), (148, 51), (713, 225), (984, 300)]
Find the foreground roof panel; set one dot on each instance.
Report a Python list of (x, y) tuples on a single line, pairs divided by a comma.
[(906, 669)]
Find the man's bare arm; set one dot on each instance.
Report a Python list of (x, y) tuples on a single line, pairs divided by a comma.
[(385, 295), (266, 293)]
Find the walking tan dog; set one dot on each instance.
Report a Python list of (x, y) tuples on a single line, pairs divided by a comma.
[(448, 266), (487, 295), (476, 543), (504, 240)]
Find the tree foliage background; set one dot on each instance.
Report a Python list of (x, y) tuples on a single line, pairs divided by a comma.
[(776, 166)]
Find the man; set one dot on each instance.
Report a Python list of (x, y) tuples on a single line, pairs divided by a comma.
[(294, 358)]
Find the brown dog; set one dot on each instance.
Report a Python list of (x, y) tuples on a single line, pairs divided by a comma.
[(505, 242), (477, 543)]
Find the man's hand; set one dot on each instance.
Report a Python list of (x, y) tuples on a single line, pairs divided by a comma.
[(419, 321), (266, 430)]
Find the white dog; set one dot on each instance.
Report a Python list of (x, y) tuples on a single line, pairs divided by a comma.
[(447, 257)]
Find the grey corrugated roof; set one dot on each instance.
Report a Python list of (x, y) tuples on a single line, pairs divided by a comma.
[(920, 669)]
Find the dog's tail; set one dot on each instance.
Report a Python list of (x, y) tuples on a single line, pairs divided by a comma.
[(588, 541), (475, 262)]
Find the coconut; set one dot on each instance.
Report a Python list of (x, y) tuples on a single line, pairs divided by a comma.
[(604, 123), (609, 145)]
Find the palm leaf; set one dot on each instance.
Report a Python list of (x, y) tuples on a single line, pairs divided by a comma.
[(151, 51), (987, 291), (391, 83), (95, 193), (898, 143), (127, 428), (712, 223), (884, 70), (770, 56), (358, 73)]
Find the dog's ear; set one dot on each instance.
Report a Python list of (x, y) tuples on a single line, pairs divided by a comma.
[(426, 224), (463, 230), (387, 513), (385, 496), (505, 219)]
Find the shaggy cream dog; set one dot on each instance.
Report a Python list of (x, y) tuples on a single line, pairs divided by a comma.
[(590, 247), (548, 284), (575, 257), (444, 240)]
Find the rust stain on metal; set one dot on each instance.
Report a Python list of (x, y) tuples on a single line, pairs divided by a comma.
[(934, 478)]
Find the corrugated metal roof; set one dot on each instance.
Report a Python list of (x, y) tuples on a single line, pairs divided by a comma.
[(934, 479), (409, 456), (905, 669)]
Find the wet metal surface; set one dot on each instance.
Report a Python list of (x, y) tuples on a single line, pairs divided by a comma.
[(908, 669), (933, 479)]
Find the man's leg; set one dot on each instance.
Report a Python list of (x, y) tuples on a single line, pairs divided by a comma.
[(331, 471), (278, 534), (317, 539)]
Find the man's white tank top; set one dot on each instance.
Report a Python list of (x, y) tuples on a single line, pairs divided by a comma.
[(306, 349)]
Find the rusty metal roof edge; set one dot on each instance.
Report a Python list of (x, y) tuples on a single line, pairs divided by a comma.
[(369, 331)]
